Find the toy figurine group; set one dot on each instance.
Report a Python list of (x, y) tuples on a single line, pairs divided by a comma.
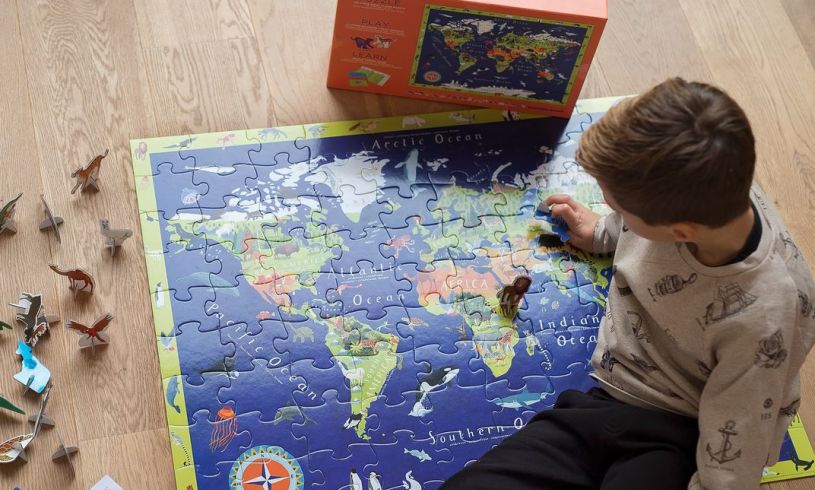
[(36, 323)]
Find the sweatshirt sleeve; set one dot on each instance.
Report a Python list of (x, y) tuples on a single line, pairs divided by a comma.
[(607, 232), (744, 407)]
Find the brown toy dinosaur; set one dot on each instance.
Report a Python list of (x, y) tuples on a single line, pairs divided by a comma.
[(80, 280), (88, 175), (510, 296)]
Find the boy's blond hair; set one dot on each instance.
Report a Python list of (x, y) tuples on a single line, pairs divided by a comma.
[(683, 151)]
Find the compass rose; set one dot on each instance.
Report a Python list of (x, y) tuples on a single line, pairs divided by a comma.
[(266, 468)]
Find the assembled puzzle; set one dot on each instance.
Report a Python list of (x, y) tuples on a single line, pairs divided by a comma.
[(326, 296)]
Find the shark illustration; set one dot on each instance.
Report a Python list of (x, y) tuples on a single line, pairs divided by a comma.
[(411, 163), (213, 169), (419, 454), (525, 399)]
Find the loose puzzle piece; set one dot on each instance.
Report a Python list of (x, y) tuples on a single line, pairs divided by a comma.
[(326, 297)]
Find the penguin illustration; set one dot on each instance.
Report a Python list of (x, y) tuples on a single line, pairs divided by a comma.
[(356, 482), (352, 421), (409, 483), (373, 482)]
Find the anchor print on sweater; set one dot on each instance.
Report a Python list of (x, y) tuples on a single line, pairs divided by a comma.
[(724, 453)]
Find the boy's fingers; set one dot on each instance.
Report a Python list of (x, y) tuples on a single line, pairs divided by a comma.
[(566, 212), (560, 199)]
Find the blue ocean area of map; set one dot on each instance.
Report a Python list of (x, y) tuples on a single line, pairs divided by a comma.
[(442, 63), (229, 357)]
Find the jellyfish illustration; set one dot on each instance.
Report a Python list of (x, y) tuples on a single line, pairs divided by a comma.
[(224, 429), (141, 150)]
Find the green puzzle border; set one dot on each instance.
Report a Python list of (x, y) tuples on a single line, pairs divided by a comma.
[(178, 428)]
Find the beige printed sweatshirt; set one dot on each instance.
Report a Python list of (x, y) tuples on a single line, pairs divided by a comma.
[(721, 344)]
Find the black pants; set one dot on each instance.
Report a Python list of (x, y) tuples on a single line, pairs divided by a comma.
[(588, 441)]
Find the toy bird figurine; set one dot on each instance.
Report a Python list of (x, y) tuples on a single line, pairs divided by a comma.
[(94, 335), (7, 216), (88, 176), (114, 238), (510, 295)]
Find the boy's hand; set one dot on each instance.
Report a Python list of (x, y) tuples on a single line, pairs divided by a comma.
[(580, 219)]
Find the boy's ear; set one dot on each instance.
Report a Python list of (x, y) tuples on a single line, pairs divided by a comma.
[(684, 231)]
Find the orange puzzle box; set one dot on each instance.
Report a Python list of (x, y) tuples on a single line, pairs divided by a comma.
[(521, 55)]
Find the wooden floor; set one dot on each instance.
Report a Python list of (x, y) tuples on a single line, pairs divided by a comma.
[(78, 77)]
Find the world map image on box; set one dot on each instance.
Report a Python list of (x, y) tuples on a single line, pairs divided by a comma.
[(492, 54)]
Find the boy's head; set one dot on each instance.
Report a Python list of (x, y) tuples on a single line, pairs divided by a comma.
[(683, 152)]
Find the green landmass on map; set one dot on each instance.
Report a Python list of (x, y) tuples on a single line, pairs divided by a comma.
[(368, 354)]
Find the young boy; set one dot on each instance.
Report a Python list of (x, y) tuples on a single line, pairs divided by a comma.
[(710, 315)]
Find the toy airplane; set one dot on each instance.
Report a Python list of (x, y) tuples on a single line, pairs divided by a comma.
[(88, 176), (51, 221), (94, 335), (114, 238), (32, 374), (7, 216), (31, 313), (13, 448)]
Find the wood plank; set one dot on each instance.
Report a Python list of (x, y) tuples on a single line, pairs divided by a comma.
[(82, 62), (646, 42), (24, 257), (743, 57), (176, 22), (802, 17), (130, 459), (208, 86)]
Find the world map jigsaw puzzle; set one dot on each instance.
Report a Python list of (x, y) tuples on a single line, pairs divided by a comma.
[(325, 303)]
